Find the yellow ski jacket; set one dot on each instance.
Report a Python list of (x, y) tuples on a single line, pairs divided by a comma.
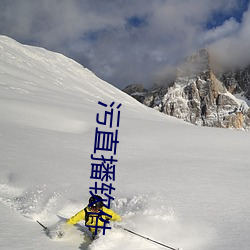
[(90, 219)]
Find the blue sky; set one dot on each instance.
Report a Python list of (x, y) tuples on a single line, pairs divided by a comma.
[(131, 41), (218, 17)]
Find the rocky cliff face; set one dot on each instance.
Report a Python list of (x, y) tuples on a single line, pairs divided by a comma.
[(201, 97), (237, 81)]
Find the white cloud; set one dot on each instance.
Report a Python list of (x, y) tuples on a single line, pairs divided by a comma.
[(233, 50), (97, 32), (228, 28)]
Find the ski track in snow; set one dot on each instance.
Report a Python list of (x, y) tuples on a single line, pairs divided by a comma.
[(143, 214)]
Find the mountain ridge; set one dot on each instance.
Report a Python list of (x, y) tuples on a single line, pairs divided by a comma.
[(200, 95)]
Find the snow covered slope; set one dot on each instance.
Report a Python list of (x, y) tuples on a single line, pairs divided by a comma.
[(182, 185)]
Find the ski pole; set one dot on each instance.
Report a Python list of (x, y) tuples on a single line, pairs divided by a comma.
[(45, 228), (150, 239)]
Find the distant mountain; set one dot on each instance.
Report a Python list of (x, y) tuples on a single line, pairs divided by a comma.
[(201, 95), (237, 81)]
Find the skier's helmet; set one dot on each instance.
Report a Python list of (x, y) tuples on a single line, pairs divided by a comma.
[(98, 203)]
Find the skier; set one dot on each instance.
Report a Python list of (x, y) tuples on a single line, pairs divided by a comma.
[(96, 216)]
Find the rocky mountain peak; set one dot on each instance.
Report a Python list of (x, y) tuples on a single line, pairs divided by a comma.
[(200, 96), (196, 64)]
